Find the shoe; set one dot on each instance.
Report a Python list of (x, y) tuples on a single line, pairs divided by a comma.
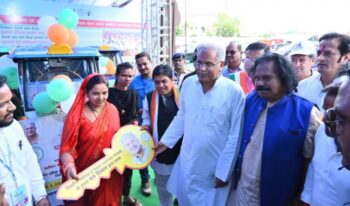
[(176, 202), (130, 201), (146, 189)]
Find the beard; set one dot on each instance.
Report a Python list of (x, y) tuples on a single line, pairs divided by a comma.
[(4, 123)]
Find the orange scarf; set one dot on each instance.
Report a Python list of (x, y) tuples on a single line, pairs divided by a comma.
[(154, 105)]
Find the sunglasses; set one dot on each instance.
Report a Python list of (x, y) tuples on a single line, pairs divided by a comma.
[(333, 122), (231, 52)]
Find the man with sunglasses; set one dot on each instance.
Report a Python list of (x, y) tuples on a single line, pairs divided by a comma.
[(233, 59), (342, 120), (333, 51), (252, 53), (325, 183)]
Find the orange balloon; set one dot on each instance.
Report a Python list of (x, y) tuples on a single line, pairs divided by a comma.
[(73, 38), (62, 76), (58, 33), (111, 69)]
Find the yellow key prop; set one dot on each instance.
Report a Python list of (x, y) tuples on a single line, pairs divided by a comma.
[(131, 148)]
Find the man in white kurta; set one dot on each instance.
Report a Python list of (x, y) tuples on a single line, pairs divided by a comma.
[(311, 89), (20, 173), (333, 51), (325, 183), (210, 114)]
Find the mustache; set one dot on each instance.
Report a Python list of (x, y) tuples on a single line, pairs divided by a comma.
[(262, 88), (7, 115)]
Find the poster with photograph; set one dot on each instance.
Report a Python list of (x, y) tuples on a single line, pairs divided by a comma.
[(132, 147), (44, 133)]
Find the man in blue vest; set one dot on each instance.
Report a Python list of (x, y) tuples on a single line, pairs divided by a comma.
[(277, 137)]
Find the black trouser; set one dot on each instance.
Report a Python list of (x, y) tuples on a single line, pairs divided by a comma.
[(128, 176), (144, 174), (127, 181)]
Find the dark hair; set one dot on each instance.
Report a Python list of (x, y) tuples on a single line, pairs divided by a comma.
[(344, 41), (98, 79), (258, 46), (123, 66), (143, 54), (239, 46), (344, 69), (194, 55), (163, 69), (2, 80), (120, 68), (283, 68)]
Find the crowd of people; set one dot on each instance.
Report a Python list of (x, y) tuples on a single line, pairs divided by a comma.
[(265, 129)]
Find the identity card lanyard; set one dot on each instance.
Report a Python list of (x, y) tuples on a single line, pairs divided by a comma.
[(8, 167)]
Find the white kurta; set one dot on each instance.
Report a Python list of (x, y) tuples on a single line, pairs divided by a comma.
[(24, 163), (311, 89), (325, 184), (211, 125)]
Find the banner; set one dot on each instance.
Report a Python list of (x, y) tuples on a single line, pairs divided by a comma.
[(117, 27)]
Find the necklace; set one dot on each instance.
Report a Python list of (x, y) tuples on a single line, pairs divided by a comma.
[(92, 110)]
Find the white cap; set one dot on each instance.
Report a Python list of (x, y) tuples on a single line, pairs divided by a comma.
[(303, 48)]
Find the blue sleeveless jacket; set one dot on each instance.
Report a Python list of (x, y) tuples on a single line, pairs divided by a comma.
[(282, 156)]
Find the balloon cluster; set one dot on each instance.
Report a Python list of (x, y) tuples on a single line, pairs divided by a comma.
[(106, 65), (60, 89), (60, 32), (9, 69)]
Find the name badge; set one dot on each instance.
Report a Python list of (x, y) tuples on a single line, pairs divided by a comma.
[(19, 196)]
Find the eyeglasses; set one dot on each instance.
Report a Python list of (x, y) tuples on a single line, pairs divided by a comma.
[(207, 65), (333, 122), (231, 52), (329, 121)]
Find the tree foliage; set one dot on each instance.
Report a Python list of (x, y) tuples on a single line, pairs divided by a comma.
[(188, 27), (179, 30), (226, 26)]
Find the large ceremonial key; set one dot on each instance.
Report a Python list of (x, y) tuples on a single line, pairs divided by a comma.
[(131, 147)]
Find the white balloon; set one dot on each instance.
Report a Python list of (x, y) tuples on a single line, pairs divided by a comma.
[(45, 22), (6, 61), (103, 70), (66, 105)]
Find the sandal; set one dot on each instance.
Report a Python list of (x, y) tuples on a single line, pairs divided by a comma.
[(130, 201)]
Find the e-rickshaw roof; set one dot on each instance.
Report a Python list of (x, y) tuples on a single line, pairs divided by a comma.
[(42, 53)]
